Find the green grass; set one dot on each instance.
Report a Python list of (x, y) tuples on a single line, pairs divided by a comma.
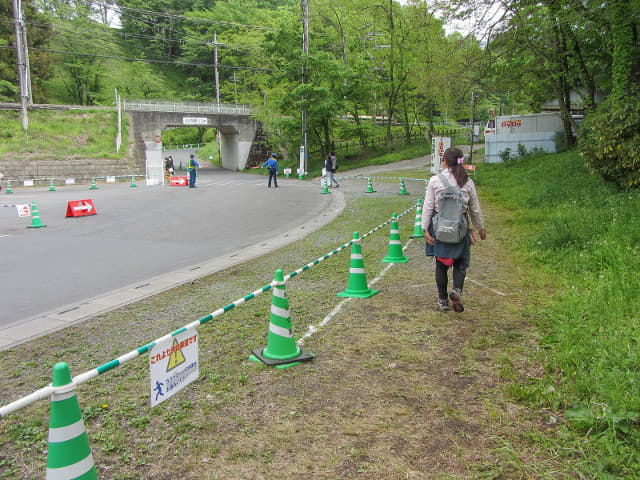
[(405, 152), (60, 135), (576, 242), (583, 236)]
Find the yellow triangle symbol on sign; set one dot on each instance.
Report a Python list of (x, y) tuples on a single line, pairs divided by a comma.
[(176, 357)]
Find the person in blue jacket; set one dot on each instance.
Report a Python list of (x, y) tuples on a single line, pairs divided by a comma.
[(192, 171), (272, 165)]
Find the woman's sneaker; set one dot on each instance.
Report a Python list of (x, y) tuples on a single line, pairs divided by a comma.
[(456, 300), (443, 303)]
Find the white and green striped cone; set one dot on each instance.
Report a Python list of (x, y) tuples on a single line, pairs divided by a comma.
[(394, 254), (93, 184), (325, 186), (357, 286), (403, 189), (133, 181), (369, 186), (52, 187), (35, 217), (9, 187), (69, 455), (417, 226), (281, 350)]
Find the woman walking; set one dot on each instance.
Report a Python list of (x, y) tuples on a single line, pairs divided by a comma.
[(456, 255)]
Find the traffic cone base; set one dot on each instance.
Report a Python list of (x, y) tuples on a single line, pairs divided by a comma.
[(281, 350), (402, 259), (348, 293), (280, 363)]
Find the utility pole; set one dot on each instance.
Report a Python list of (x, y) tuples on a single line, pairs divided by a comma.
[(305, 53), (215, 62), (235, 88), (119, 128), (474, 95), (22, 56)]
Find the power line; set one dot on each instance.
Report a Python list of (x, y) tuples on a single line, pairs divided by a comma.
[(83, 33), (192, 19), (144, 60)]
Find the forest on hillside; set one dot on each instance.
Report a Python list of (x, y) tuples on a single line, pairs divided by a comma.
[(344, 62)]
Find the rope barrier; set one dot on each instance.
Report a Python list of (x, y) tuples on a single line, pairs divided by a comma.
[(55, 179), (46, 392)]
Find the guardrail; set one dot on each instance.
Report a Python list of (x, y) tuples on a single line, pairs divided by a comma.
[(185, 107)]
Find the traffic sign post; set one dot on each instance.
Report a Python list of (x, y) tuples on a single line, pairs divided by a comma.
[(173, 364)]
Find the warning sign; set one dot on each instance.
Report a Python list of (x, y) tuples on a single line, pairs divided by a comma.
[(23, 210), (438, 147), (179, 181), (173, 364), (79, 208)]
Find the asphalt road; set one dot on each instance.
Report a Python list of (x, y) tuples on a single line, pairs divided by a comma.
[(142, 241)]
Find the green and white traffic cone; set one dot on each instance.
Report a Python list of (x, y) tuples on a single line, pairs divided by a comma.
[(93, 184), (369, 187), (403, 190), (69, 455), (325, 187), (281, 350), (52, 187), (133, 181), (394, 254), (35, 217), (357, 286), (9, 187), (417, 226)]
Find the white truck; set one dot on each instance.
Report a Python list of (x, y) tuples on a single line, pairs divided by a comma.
[(536, 130)]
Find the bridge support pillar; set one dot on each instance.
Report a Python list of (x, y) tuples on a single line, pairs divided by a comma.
[(235, 145)]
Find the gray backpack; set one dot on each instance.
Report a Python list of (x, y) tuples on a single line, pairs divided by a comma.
[(450, 225)]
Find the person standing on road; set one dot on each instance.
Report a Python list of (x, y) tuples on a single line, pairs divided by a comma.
[(168, 167), (272, 165), (457, 255), (192, 165), (330, 166)]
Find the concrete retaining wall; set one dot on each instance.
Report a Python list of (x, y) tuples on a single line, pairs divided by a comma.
[(61, 169), (132, 163)]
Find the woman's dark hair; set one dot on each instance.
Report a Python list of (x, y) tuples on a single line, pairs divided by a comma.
[(451, 157)]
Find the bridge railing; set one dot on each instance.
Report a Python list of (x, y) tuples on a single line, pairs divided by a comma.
[(185, 107)]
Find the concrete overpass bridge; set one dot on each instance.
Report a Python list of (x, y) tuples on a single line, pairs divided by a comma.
[(235, 123)]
